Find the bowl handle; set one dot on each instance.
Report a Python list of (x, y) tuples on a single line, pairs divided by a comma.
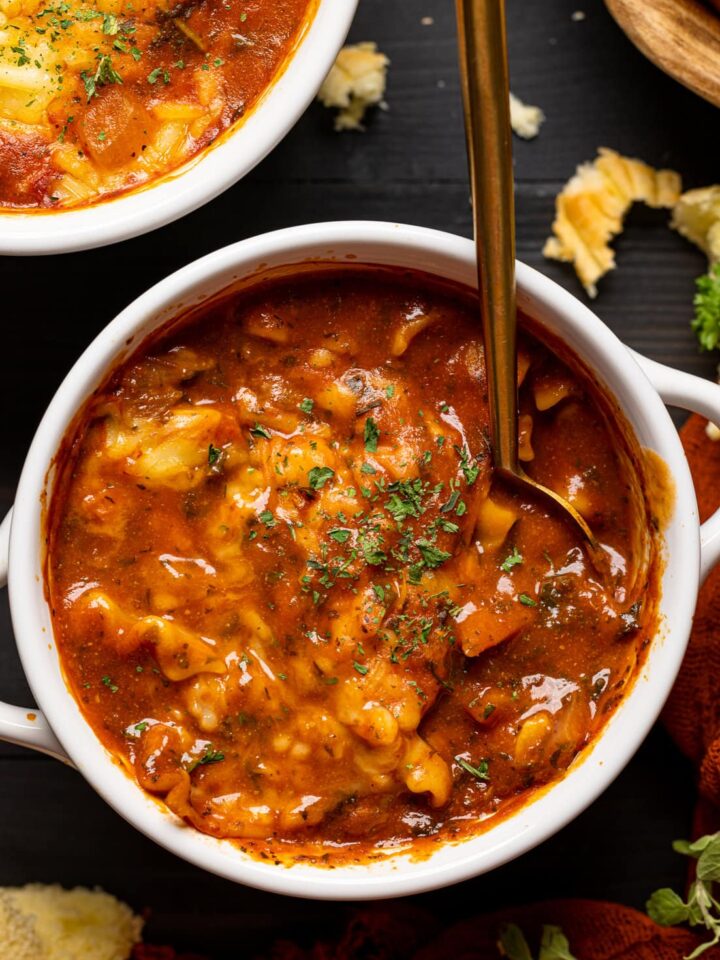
[(684, 390), (25, 726)]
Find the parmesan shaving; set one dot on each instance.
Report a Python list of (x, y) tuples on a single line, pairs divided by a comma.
[(39, 922), (696, 216), (356, 82), (524, 119), (591, 208)]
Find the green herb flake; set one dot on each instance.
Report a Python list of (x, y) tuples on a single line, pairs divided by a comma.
[(267, 518), (361, 668), (210, 756), (112, 687), (319, 476), (306, 405), (110, 25), (214, 455), (371, 435), (159, 73), (260, 431), (480, 772), (432, 556), (340, 535), (527, 601), (511, 561)]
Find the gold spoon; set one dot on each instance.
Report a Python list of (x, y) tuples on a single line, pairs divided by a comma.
[(486, 98)]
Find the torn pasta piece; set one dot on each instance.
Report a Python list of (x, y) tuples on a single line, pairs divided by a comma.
[(590, 210)]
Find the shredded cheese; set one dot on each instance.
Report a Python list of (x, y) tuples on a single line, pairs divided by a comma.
[(39, 922), (524, 119), (356, 82)]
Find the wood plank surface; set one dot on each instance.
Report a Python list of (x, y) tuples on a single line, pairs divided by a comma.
[(596, 89)]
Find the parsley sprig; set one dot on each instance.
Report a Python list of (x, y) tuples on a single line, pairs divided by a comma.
[(706, 322), (701, 909)]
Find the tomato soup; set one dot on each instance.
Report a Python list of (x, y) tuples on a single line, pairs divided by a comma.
[(289, 594)]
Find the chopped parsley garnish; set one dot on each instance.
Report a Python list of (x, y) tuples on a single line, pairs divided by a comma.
[(319, 476), (527, 601), (214, 454), (361, 668), (447, 525), (210, 756), (512, 560), (157, 74), (372, 434), (267, 518), (372, 552), (260, 431), (432, 556), (112, 687), (104, 74), (339, 535), (379, 592), (390, 391), (142, 726), (368, 468), (480, 772), (306, 405), (110, 24), (469, 470)]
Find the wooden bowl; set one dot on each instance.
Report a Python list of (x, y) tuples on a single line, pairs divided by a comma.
[(682, 37)]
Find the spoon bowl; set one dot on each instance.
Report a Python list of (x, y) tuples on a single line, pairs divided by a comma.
[(482, 42)]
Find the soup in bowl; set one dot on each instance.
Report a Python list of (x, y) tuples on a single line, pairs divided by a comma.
[(301, 635), (120, 116)]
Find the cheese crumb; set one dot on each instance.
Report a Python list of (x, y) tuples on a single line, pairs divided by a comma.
[(39, 922), (590, 210), (524, 119), (17, 933), (696, 216), (356, 81)]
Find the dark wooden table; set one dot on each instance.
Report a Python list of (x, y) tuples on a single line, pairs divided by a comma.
[(596, 89)]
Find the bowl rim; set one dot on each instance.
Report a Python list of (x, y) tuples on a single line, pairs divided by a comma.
[(536, 820), (203, 177)]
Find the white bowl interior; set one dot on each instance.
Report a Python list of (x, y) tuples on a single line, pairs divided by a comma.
[(451, 258), (206, 175)]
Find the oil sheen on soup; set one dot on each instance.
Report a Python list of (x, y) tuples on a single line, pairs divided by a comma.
[(289, 595), (100, 96)]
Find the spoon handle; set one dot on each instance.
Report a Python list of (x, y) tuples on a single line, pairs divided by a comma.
[(486, 99)]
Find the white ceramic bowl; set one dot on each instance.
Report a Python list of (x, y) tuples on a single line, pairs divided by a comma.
[(638, 385), (205, 176)]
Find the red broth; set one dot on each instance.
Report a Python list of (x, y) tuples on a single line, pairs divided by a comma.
[(290, 597), (98, 97)]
